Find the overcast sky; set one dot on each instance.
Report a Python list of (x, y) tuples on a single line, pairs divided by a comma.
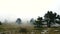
[(26, 9)]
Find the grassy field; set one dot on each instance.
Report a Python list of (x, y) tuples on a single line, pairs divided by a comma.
[(30, 29)]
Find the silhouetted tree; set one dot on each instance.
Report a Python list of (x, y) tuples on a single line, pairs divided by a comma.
[(18, 20), (50, 17), (38, 22)]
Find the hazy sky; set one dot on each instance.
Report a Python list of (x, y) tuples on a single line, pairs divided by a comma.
[(26, 9)]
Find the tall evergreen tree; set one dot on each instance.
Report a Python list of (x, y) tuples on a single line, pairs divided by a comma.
[(50, 18)]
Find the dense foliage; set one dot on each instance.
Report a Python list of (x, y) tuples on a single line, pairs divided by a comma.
[(50, 18)]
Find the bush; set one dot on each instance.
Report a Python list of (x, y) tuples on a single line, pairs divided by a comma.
[(23, 30)]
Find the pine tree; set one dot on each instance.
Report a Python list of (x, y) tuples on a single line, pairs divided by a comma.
[(38, 22)]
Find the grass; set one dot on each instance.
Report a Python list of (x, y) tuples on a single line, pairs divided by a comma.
[(10, 27)]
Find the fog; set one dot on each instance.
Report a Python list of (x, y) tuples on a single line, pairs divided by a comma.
[(26, 9)]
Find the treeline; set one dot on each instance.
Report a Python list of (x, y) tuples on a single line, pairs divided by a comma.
[(49, 19)]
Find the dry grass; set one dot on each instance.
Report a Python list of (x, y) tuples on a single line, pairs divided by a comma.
[(9, 27)]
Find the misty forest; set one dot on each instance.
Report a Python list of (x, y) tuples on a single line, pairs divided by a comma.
[(48, 24)]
